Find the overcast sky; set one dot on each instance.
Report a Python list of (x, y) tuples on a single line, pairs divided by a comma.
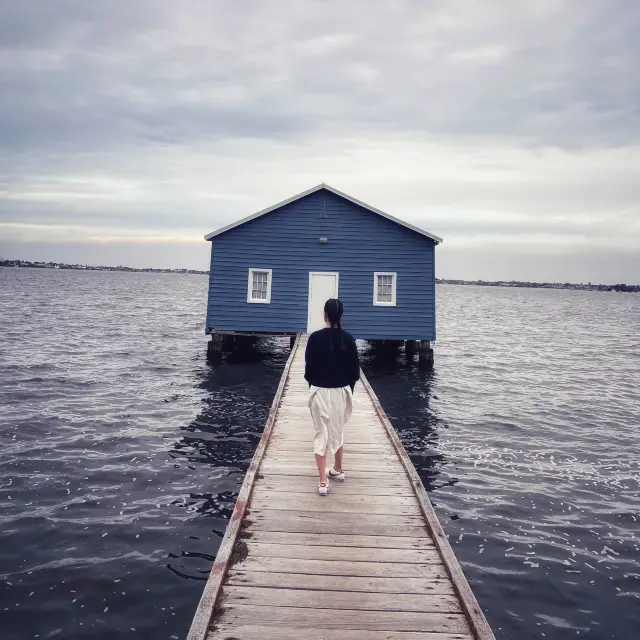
[(128, 130)]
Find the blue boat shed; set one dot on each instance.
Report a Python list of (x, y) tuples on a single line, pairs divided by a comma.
[(272, 272)]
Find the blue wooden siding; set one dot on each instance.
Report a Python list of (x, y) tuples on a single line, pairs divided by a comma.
[(360, 243)]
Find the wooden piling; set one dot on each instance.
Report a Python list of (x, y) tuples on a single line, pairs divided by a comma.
[(425, 354), (214, 348)]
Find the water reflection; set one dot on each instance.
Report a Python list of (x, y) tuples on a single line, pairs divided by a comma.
[(238, 395), (236, 401), (219, 442), (405, 390)]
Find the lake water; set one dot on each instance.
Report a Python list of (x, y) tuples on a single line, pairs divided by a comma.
[(121, 452)]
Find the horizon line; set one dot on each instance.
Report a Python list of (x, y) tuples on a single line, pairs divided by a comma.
[(39, 264)]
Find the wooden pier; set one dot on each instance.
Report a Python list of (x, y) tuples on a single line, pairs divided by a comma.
[(369, 561)]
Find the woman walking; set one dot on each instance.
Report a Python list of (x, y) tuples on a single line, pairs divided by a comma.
[(332, 369)]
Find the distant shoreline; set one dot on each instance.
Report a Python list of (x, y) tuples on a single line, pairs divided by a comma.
[(478, 283), (627, 288), (84, 267)]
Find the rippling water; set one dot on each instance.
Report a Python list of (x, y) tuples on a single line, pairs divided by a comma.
[(121, 452)]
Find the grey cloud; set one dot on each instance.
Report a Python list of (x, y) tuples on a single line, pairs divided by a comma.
[(161, 103), (158, 215), (29, 24), (565, 77)]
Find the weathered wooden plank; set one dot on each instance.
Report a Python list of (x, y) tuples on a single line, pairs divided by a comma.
[(305, 452), (260, 632), (304, 430), (337, 540), (305, 434), (351, 440), (304, 443), (300, 525), (303, 424), (302, 417), (313, 581), (344, 568), (353, 554), (351, 458), (403, 499), (295, 446), (233, 614), (320, 519), (202, 618), (474, 615), (360, 409), (276, 468), (333, 506), (258, 596), (364, 424), (351, 464), (353, 486), (286, 455)]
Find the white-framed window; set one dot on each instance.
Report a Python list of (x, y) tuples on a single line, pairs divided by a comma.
[(384, 288), (259, 289)]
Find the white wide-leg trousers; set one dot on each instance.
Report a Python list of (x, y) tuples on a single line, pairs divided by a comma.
[(330, 412)]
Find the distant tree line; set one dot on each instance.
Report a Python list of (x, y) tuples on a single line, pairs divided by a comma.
[(633, 288), (84, 267)]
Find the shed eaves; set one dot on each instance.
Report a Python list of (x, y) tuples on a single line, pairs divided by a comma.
[(263, 212)]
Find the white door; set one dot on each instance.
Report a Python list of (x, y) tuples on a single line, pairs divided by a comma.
[(322, 286)]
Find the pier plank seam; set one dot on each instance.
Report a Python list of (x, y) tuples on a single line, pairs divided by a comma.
[(293, 564)]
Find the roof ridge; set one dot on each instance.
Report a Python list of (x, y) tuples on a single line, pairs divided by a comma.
[(323, 185)]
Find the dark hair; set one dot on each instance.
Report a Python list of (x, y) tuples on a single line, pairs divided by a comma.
[(334, 309)]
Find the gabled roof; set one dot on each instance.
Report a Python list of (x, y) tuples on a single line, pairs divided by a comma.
[(211, 235)]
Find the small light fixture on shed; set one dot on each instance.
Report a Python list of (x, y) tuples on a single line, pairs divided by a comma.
[(324, 240)]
